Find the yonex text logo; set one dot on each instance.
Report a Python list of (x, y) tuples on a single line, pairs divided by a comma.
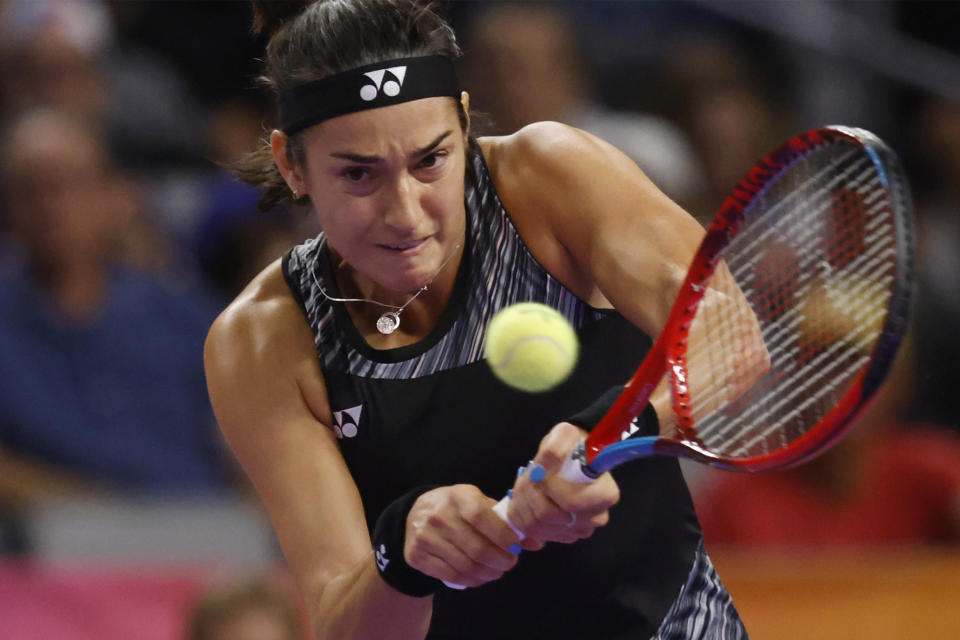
[(347, 421), (387, 80)]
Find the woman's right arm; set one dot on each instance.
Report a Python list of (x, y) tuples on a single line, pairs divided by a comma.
[(270, 401)]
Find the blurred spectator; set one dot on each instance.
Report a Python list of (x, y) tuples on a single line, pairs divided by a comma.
[(522, 65), (48, 55), (888, 482), (64, 53), (101, 379), (249, 611), (732, 117)]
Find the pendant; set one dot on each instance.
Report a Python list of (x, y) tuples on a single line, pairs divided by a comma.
[(388, 322)]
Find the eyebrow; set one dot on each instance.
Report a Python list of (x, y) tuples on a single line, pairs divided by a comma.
[(361, 159)]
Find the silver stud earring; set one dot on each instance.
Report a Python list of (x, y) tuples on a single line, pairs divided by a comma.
[(296, 194)]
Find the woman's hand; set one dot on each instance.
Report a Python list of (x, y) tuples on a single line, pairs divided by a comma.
[(549, 508), (454, 535)]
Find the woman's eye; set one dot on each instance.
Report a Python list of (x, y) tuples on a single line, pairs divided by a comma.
[(432, 159), (355, 174)]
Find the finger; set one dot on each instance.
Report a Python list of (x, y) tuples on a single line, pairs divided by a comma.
[(491, 541), (557, 445), (478, 513), (486, 518), (579, 529), (534, 513), (439, 568), (535, 484), (532, 544), (445, 533), (574, 497), (454, 558)]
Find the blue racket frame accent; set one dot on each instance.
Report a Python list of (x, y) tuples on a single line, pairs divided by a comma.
[(643, 447), (619, 452)]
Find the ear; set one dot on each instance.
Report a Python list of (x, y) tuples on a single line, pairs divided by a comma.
[(288, 169), (465, 103)]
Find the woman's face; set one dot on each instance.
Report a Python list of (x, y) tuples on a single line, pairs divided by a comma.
[(388, 185)]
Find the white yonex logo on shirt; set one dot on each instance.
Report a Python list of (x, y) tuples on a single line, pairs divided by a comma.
[(347, 421), (387, 80), (382, 560)]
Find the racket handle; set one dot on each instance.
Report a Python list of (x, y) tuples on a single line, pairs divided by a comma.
[(573, 469), (501, 510)]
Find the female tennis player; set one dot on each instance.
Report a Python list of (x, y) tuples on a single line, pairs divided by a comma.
[(348, 377)]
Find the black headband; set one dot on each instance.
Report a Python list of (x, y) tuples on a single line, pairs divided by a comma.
[(374, 85)]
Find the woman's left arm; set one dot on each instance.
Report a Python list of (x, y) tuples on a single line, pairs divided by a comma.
[(598, 225), (594, 220)]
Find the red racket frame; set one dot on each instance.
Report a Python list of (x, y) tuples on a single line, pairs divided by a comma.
[(669, 350)]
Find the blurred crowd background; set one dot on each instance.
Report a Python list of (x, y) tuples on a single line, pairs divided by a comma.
[(123, 233)]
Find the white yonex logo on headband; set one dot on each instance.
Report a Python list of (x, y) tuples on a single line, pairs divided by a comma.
[(387, 80)]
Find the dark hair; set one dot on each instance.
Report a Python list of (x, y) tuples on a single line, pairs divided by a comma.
[(309, 41)]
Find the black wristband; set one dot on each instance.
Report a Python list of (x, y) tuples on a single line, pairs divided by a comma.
[(388, 538), (587, 418)]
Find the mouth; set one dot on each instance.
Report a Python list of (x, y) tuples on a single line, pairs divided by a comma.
[(405, 246)]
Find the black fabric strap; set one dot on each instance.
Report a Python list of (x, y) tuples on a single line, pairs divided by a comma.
[(368, 87), (388, 539), (587, 418)]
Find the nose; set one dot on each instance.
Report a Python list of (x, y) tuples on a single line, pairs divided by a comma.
[(404, 208)]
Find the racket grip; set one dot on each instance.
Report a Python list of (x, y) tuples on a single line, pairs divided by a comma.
[(501, 510), (573, 469)]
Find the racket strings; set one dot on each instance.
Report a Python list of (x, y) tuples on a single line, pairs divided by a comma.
[(815, 261), (721, 323), (806, 391), (816, 359), (815, 379), (744, 275)]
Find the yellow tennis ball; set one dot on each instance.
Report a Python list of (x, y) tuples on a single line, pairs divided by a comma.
[(531, 346)]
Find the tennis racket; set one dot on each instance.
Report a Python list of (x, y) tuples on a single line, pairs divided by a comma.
[(788, 320)]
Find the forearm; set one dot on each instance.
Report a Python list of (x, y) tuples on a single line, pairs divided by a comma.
[(359, 605)]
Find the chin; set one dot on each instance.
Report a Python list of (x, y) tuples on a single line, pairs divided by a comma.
[(407, 282)]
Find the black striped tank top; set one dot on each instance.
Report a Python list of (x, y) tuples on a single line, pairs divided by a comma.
[(433, 413)]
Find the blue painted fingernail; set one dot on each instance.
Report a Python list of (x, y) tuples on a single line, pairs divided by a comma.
[(520, 471), (510, 493), (538, 473), (515, 549)]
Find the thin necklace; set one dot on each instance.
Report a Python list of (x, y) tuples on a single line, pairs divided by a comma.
[(389, 321)]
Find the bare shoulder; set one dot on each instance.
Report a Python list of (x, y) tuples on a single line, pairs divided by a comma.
[(568, 181), (258, 325), (593, 218), (261, 308), (547, 153), (543, 179), (262, 341)]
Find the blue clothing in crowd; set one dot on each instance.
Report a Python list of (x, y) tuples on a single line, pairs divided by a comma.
[(122, 397)]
